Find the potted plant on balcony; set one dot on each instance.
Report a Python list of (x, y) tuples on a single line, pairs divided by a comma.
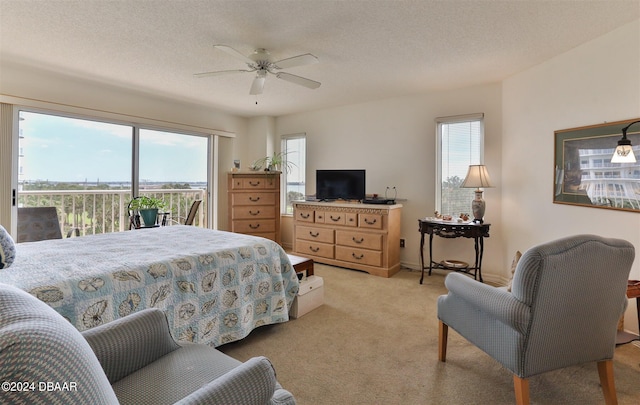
[(147, 207)]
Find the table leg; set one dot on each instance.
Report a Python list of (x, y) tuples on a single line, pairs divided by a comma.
[(476, 265), (422, 255), (430, 252), (480, 261)]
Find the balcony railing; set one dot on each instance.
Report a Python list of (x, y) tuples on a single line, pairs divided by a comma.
[(104, 211)]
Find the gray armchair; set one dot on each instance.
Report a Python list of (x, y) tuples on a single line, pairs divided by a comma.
[(566, 299), (132, 360)]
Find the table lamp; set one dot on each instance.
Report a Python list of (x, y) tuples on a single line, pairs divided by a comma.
[(477, 177)]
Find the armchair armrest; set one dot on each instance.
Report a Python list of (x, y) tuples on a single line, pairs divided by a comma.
[(252, 382), (497, 303), (131, 343)]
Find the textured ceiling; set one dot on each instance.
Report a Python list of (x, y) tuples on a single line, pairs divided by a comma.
[(368, 49)]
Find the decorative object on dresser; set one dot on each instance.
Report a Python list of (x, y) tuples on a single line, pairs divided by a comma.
[(356, 236), (254, 203)]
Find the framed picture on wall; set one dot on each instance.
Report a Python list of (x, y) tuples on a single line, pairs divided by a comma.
[(584, 174)]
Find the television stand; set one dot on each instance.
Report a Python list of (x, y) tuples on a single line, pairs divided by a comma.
[(353, 235)]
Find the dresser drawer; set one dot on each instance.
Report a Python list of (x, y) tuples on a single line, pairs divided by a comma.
[(359, 239), (370, 221), (361, 256), (253, 226), (249, 212), (351, 219), (253, 198), (333, 218), (323, 235), (314, 248), (305, 215)]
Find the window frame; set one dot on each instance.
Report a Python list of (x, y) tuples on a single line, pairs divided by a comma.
[(455, 119), (285, 174)]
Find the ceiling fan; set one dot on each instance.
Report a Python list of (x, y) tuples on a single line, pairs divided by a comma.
[(260, 62)]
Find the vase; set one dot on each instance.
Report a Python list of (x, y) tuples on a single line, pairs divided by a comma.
[(477, 207), (149, 216)]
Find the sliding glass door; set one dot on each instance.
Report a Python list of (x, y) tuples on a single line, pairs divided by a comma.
[(174, 167), (81, 167), (90, 170)]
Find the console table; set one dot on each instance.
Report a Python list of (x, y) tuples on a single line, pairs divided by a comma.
[(447, 229)]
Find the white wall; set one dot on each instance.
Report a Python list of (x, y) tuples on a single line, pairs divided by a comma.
[(594, 83), (394, 140)]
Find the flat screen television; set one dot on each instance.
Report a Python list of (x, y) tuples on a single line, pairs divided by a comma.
[(340, 184)]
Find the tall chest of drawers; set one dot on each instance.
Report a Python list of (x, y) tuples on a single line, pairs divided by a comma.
[(357, 236), (254, 203)]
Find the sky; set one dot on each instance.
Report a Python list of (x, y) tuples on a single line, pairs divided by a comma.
[(74, 150)]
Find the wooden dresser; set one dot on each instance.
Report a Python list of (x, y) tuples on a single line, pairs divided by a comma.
[(254, 203), (356, 236)]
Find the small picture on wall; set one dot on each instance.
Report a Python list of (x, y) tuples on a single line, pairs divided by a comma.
[(236, 164), (584, 174)]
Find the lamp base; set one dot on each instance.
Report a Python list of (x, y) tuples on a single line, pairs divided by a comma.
[(478, 207)]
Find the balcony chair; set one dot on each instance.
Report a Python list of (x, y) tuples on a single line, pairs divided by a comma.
[(191, 216), (40, 223), (563, 309), (132, 360)]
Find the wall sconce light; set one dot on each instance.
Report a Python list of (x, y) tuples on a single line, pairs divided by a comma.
[(477, 177), (624, 152)]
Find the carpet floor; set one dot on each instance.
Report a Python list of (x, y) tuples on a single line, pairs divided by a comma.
[(374, 341)]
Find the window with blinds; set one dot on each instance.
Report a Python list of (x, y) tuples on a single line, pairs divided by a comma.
[(460, 142), (294, 171)]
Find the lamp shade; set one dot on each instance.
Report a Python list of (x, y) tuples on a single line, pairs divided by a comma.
[(477, 176)]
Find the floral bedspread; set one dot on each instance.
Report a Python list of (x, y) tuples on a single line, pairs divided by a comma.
[(214, 286)]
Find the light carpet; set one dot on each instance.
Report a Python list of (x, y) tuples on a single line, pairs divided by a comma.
[(374, 341)]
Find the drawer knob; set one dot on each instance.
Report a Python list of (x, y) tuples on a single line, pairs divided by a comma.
[(334, 219), (304, 215), (254, 199), (254, 213), (314, 234), (314, 250), (254, 184), (357, 240), (357, 257), (370, 222), (252, 226)]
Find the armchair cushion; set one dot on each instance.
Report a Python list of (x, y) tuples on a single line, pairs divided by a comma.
[(146, 366), (128, 344)]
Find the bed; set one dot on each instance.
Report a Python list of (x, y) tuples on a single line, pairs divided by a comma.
[(214, 286)]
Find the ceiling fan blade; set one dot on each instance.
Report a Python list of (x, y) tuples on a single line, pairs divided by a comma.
[(220, 72), (236, 54), (312, 84), (257, 85), (300, 60)]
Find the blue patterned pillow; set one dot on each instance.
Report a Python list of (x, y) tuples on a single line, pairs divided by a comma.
[(7, 249)]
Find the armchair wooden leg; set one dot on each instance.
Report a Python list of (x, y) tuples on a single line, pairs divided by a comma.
[(605, 370), (521, 387), (443, 332)]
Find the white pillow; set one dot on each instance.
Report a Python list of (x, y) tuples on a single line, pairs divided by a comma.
[(514, 264), (7, 248)]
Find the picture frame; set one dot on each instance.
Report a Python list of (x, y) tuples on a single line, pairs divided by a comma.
[(584, 174)]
